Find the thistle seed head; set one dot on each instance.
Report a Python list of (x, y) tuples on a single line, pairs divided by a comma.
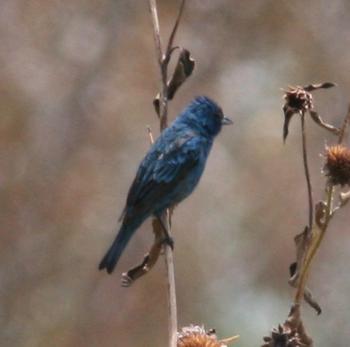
[(337, 165)]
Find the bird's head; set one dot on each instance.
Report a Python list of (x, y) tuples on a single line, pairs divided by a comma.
[(205, 116)]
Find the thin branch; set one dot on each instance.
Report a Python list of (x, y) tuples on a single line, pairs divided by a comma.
[(169, 47), (314, 247), (162, 67), (344, 127), (307, 172), (150, 134), (163, 115), (172, 307), (309, 233), (156, 30)]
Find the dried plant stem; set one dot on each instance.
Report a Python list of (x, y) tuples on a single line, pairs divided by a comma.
[(156, 30), (163, 60), (307, 172), (173, 33), (344, 127), (162, 66), (303, 275), (316, 237), (169, 260), (314, 246)]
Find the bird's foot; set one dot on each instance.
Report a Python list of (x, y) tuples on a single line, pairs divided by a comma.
[(169, 241)]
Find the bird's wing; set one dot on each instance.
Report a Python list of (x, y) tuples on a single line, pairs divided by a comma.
[(163, 167)]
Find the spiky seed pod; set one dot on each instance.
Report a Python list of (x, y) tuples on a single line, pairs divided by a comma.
[(196, 336), (337, 165)]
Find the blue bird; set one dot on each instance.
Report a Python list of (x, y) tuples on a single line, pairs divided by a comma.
[(170, 171)]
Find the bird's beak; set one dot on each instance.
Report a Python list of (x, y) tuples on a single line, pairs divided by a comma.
[(226, 121)]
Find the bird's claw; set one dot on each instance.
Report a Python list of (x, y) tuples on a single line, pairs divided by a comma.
[(169, 241)]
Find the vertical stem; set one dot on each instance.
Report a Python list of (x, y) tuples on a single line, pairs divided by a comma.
[(173, 33), (307, 172), (172, 307), (344, 127), (164, 98), (156, 30), (316, 239), (314, 246), (304, 269), (163, 66)]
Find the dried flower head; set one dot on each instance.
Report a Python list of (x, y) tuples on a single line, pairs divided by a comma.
[(283, 336), (297, 100), (337, 165), (196, 336)]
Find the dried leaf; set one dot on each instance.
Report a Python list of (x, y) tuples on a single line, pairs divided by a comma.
[(184, 68), (325, 85), (288, 114), (320, 212), (302, 242), (318, 120), (311, 300)]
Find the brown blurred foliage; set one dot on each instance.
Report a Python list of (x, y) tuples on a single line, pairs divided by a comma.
[(76, 89)]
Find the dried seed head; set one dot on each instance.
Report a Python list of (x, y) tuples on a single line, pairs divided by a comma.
[(283, 336), (297, 100), (196, 336), (337, 165)]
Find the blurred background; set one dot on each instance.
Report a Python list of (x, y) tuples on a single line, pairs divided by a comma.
[(77, 79)]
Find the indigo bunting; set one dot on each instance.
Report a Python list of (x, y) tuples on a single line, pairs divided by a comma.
[(170, 171)]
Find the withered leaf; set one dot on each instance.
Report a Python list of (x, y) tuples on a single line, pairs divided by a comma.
[(302, 243), (320, 211), (325, 85), (318, 120), (288, 114), (311, 300), (183, 69)]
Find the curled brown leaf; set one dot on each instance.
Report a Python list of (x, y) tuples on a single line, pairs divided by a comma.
[(315, 86), (183, 69), (302, 243)]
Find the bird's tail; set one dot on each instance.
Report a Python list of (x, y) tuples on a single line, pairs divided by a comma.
[(112, 256)]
